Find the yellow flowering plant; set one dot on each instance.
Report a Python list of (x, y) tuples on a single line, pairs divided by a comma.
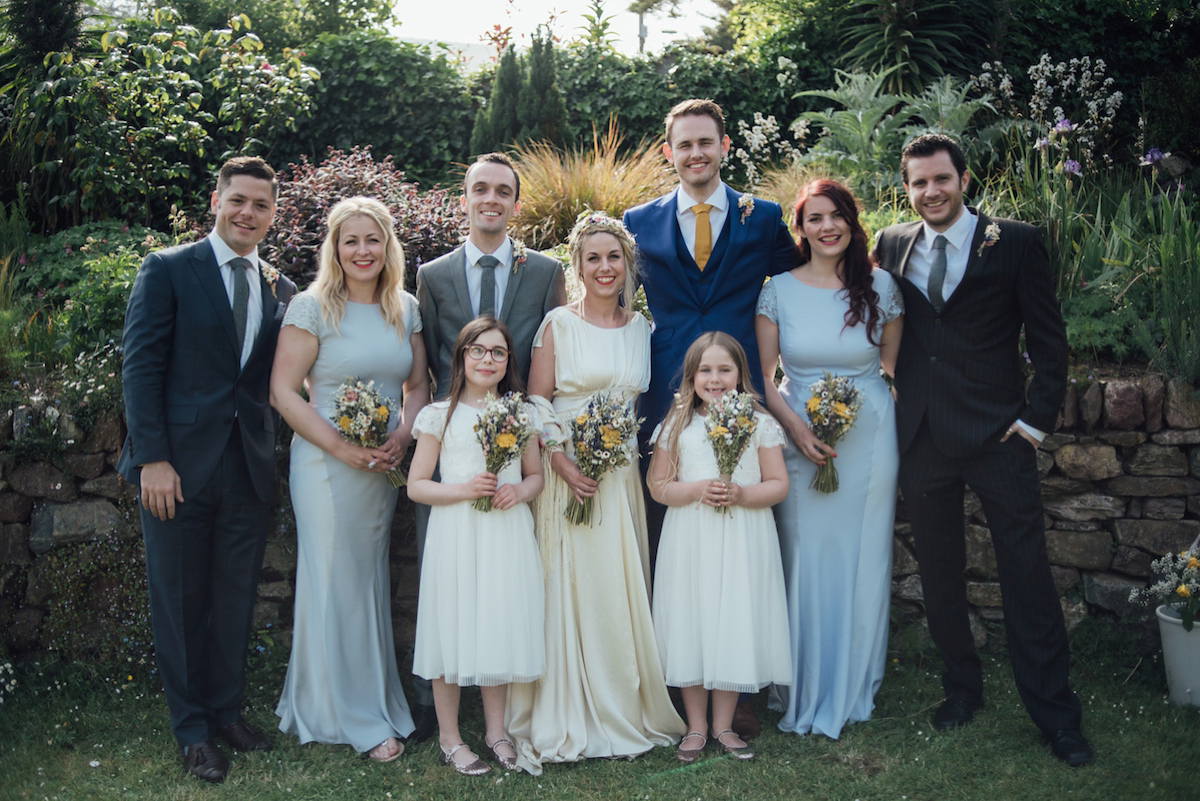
[(730, 424), (1177, 584), (503, 429), (604, 435), (832, 411), (361, 414)]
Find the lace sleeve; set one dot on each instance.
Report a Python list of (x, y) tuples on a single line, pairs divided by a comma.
[(891, 302), (304, 312), (766, 302), (431, 420), (769, 433)]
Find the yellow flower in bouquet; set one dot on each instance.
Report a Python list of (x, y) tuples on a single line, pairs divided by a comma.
[(605, 437), (832, 412), (503, 429), (730, 424), (361, 414)]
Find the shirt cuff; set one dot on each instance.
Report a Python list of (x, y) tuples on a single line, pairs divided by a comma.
[(1035, 433)]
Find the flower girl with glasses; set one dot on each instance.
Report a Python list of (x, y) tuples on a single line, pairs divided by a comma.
[(480, 611), (720, 611)]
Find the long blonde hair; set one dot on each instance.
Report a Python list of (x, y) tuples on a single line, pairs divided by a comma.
[(330, 284), (686, 399)]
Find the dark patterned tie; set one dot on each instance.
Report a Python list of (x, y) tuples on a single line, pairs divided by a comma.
[(241, 300), (487, 286), (937, 275)]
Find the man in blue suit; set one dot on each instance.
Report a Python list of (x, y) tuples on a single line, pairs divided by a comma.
[(706, 250), (200, 335)]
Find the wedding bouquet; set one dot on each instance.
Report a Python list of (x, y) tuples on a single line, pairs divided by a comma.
[(1178, 584), (730, 425), (832, 412), (605, 438), (504, 429), (361, 413)]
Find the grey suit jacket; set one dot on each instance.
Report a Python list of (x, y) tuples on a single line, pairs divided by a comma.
[(535, 288)]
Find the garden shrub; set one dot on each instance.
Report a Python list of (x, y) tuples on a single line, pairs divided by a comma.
[(139, 119), (427, 223), (395, 97)]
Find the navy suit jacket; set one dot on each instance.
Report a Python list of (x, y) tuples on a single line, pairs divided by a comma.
[(963, 368), (758, 246), (184, 385)]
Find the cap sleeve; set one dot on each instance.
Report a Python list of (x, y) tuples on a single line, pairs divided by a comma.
[(412, 315), (304, 312), (891, 302), (769, 432), (431, 420), (767, 303)]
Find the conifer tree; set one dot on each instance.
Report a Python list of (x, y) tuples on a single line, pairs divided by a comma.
[(502, 124), (543, 114)]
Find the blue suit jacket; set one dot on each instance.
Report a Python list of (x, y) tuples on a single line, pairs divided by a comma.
[(758, 246)]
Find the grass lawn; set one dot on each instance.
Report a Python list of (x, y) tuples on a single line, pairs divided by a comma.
[(82, 732)]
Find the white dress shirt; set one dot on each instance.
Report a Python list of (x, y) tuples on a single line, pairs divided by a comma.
[(719, 201), (473, 254), (958, 250), (224, 255)]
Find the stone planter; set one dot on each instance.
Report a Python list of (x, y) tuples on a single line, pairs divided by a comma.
[(1181, 657)]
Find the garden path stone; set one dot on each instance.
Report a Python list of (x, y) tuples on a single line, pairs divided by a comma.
[(1088, 461), (89, 465), (1123, 439), (1123, 407), (41, 480), (1153, 392), (81, 521), (14, 548), (1182, 410)]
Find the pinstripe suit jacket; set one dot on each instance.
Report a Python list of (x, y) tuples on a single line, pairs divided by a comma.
[(964, 368)]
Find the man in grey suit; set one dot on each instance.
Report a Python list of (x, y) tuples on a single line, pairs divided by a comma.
[(964, 416), (493, 274)]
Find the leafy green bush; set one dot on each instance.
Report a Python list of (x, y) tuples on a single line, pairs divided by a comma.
[(395, 97), (139, 120)]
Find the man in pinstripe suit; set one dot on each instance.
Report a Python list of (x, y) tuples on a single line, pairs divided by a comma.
[(964, 416)]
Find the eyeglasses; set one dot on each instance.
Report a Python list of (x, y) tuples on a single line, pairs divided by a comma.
[(478, 351)]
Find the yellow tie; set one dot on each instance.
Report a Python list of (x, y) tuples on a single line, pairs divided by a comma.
[(703, 233)]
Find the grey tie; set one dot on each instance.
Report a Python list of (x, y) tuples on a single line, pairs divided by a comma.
[(241, 300), (487, 286), (937, 275)]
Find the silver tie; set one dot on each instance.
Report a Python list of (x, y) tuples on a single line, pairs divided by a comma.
[(241, 300), (937, 275), (487, 286)]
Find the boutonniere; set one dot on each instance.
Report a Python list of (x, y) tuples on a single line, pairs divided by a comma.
[(746, 204), (991, 235), (519, 254), (270, 275)]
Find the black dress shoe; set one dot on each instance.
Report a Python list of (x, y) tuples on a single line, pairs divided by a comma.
[(205, 760), (954, 712), (1071, 747), (244, 737), (745, 722), (425, 721)]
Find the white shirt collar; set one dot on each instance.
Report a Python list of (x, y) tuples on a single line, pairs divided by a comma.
[(503, 253), (224, 254), (718, 199), (958, 234)]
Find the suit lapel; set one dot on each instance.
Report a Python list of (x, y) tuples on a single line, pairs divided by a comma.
[(458, 280), (904, 245), (208, 274), (514, 282), (269, 302)]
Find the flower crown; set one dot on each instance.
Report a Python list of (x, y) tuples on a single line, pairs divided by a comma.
[(596, 221)]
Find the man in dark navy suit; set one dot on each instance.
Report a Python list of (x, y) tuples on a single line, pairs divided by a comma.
[(706, 250), (964, 416), (200, 335)]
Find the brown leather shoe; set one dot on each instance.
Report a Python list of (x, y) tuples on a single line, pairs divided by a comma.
[(204, 760), (244, 737), (745, 722)]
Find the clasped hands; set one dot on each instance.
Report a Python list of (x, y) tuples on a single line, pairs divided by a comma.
[(485, 484)]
